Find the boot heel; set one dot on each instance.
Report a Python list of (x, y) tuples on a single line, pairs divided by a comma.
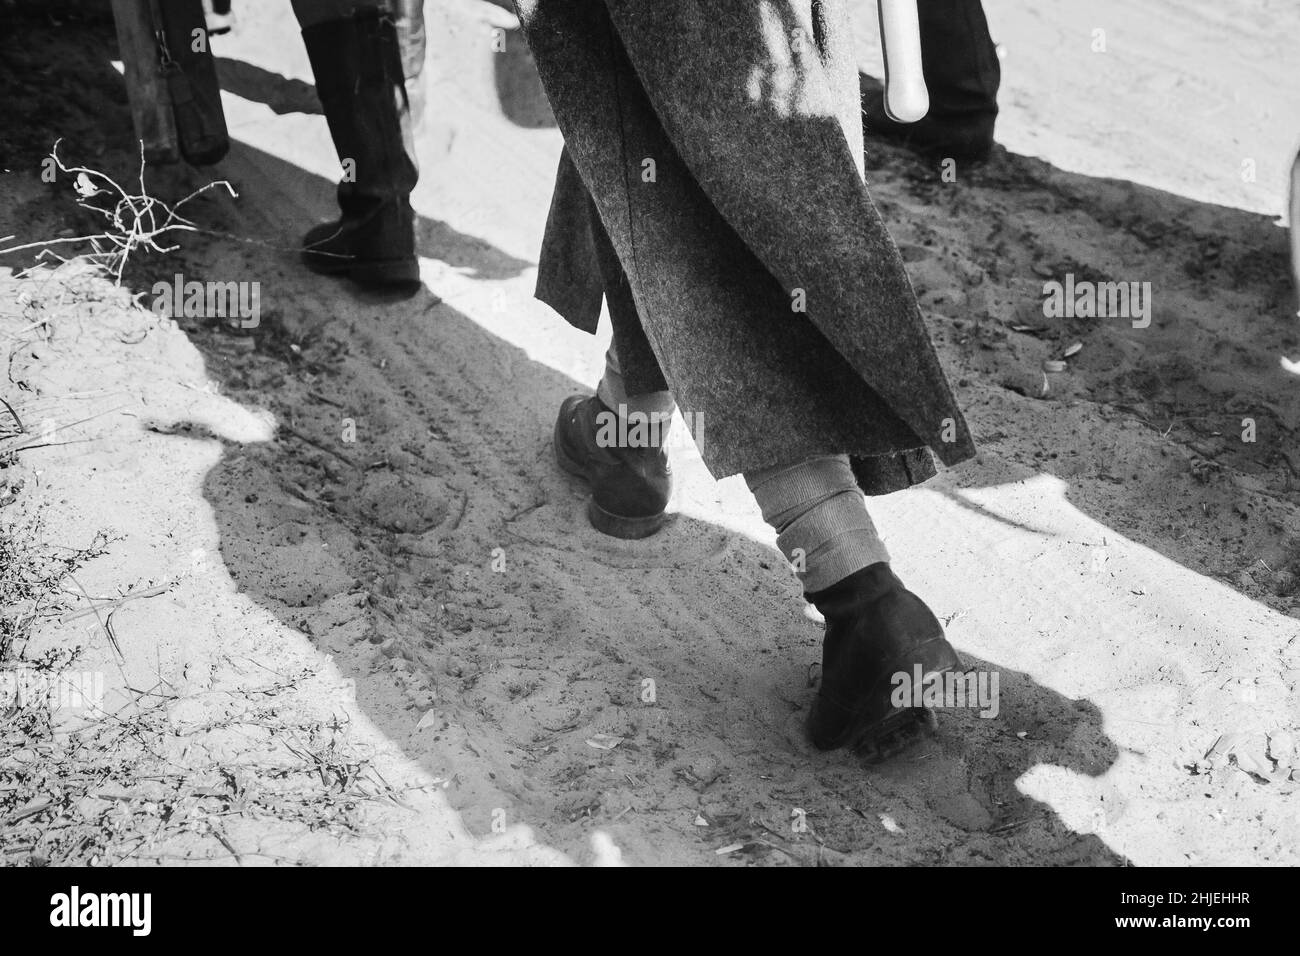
[(618, 526)]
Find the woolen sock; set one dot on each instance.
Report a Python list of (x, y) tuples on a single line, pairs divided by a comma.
[(613, 393), (820, 517)]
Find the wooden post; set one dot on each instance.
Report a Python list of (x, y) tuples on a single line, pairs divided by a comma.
[(151, 106)]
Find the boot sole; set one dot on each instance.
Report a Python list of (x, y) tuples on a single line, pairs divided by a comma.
[(387, 272), (893, 735), (964, 153), (616, 526), (326, 265)]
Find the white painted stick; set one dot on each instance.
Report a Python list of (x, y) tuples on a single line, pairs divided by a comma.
[(906, 98), (1295, 225)]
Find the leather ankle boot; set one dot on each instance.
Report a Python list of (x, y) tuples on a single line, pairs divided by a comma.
[(875, 629), (630, 484)]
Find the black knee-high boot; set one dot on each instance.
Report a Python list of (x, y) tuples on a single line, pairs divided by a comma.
[(358, 70)]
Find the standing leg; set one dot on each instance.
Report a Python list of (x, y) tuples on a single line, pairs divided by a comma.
[(615, 439), (354, 51)]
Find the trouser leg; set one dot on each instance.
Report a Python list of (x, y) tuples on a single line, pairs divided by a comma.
[(959, 58)]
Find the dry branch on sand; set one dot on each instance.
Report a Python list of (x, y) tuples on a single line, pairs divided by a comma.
[(137, 220)]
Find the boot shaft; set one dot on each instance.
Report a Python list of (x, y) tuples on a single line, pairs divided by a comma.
[(958, 57), (357, 64)]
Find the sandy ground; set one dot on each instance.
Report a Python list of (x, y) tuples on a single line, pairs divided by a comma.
[(437, 608)]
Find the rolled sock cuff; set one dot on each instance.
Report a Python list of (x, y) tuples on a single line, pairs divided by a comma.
[(837, 559), (788, 491), (831, 541), (820, 517)]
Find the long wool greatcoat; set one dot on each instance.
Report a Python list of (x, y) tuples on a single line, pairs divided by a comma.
[(712, 190)]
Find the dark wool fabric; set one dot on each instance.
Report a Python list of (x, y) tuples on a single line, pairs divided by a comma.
[(712, 181)]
